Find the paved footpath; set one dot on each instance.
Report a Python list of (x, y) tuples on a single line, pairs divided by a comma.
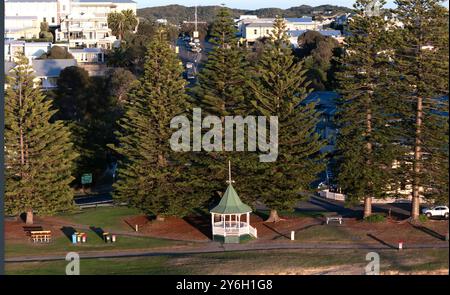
[(215, 247)]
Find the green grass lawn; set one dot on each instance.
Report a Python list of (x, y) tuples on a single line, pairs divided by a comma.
[(245, 262), (94, 243), (327, 233), (103, 217)]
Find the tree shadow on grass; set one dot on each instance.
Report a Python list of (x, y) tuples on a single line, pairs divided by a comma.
[(381, 241), (68, 231), (429, 232), (263, 214), (98, 231), (280, 234), (201, 222)]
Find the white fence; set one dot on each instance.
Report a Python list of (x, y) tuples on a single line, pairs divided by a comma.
[(233, 230), (253, 232), (333, 196)]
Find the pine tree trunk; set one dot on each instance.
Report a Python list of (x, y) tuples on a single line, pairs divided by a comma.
[(29, 218), (367, 206), (415, 208), (368, 199), (273, 217)]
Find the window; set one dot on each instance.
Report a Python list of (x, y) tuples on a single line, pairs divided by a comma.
[(267, 31), (64, 7), (44, 19), (53, 20), (255, 32)]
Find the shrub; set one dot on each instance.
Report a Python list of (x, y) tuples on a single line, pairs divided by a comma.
[(375, 218), (47, 36), (423, 218)]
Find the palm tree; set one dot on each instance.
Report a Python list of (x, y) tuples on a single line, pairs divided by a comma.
[(122, 22)]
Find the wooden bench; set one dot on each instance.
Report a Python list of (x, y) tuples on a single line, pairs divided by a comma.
[(334, 218), (41, 236)]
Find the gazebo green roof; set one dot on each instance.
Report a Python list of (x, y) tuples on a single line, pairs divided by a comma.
[(231, 203)]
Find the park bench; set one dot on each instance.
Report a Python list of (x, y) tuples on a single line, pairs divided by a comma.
[(334, 218), (41, 236)]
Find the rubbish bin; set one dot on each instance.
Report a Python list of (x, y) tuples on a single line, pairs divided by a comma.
[(74, 238), (113, 238), (79, 238), (106, 237), (83, 238)]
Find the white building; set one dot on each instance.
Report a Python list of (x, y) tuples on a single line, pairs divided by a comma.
[(252, 28), (21, 27), (84, 23), (43, 10), (88, 55), (46, 71), (81, 23), (31, 50)]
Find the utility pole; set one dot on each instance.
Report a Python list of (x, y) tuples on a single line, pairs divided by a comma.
[(196, 18)]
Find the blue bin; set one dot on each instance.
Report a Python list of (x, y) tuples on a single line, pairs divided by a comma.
[(74, 238)]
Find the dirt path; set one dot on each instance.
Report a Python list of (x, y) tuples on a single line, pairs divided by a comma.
[(215, 247)]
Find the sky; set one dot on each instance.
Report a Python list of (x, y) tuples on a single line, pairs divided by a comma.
[(251, 4)]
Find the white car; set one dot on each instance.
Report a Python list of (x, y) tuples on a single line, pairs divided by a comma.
[(437, 211)]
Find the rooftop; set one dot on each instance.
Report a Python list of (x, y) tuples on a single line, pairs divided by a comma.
[(257, 25), (51, 67), (22, 42), (230, 203), (45, 67), (20, 17), (82, 50), (299, 19)]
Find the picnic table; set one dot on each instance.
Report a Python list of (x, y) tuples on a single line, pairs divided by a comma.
[(30, 228), (42, 236)]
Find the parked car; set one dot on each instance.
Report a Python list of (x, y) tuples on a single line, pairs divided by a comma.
[(190, 74), (436, 211)]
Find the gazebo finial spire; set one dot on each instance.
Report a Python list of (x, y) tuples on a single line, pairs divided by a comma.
[(229, 173)]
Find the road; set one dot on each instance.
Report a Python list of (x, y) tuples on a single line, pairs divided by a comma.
[(314, 204), (93, 198), (198, 59)]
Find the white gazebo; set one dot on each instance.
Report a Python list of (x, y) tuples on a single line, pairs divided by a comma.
[(230, 219)]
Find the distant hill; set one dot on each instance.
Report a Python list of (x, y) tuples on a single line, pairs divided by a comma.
[(177, 13)]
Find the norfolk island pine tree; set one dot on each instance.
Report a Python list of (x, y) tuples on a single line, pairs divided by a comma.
[(366, 145), (39, 155), (278, 87), (422, 73), (151, 175), (221, 91)]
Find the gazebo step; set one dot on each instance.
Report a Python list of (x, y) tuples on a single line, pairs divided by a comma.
[(232, 239)]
